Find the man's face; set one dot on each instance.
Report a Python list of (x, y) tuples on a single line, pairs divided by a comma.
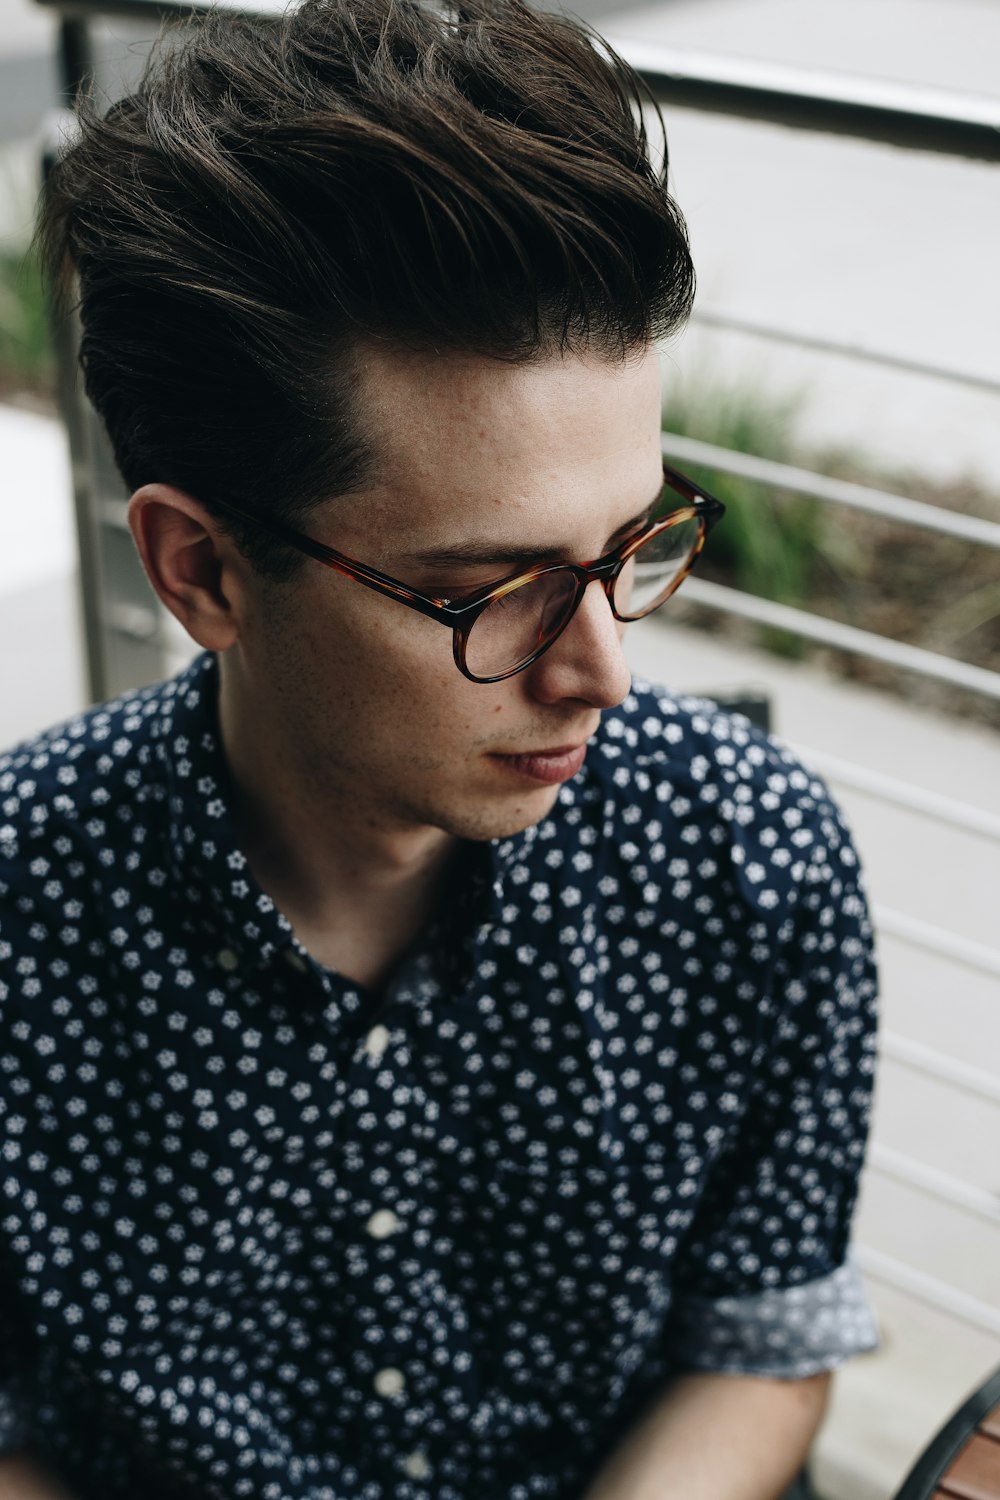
[(492, 459)]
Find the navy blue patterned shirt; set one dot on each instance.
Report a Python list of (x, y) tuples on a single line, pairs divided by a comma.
[(264, 1233)]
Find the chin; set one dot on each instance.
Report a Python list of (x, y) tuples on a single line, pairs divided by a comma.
[(482, 823)]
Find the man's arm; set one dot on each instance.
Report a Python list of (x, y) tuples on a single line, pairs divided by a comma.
[(23, 1478), (717, 1437)]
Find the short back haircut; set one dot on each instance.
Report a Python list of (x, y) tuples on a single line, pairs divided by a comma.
[(473, 177)]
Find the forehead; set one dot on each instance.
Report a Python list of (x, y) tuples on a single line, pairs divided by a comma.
[(462, 440)]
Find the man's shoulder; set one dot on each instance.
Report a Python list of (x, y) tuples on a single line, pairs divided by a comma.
[(84, 771), (679, 783), (659, 740)]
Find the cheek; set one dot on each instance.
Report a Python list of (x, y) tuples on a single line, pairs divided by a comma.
[(351, 633), (387, 667), (432, 704)]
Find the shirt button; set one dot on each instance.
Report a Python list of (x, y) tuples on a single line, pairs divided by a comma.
[(390, 1382), (415, 1465), (295, 960), (377, 1040), (382, 1224), (227, 959)]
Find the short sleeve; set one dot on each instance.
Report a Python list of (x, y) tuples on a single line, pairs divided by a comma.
[(765, 1282)]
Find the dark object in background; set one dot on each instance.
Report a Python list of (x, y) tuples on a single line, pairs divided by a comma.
[(963, 1459), (757, 708), (801, 1489)]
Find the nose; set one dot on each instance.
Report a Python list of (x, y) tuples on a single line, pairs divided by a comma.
[(587, 662)]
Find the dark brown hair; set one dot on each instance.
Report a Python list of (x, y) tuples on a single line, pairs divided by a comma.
[(468, 178)]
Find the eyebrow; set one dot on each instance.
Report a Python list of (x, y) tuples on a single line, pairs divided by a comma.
[(489, 554)]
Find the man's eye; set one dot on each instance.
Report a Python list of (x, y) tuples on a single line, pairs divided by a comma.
[(457, 589)]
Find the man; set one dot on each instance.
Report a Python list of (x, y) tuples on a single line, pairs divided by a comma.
[(431, 1066)]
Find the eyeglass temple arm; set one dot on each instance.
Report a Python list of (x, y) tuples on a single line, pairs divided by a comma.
[(711, 509), (434, 609)]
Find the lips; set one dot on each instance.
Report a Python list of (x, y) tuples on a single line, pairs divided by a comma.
[(546, 766)]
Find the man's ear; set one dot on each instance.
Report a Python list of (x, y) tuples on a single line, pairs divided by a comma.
[(192, 565)]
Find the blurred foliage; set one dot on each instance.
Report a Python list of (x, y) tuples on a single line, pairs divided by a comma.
[(27, 362), (888, 577), (769, 542)]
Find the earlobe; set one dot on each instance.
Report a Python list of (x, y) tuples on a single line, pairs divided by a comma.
[(189, 563)]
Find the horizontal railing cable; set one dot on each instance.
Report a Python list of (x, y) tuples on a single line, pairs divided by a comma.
[(939, 1066), (937, 1184), (797, 481), (937, 940), (902, 794), (871, 109), (843, 637), (928, 1289), (730, 322)]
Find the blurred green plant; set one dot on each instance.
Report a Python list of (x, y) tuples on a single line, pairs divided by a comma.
[(769, 541), (27, 362)]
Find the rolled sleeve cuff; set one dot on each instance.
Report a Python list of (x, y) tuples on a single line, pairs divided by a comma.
[(786, 1332)]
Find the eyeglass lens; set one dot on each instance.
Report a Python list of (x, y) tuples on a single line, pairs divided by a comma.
[(515, 627), (651, 572)]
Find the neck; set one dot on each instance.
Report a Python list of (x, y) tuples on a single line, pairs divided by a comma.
[(356, 886)]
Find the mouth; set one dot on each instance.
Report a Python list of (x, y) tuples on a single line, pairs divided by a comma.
[(548, 767)]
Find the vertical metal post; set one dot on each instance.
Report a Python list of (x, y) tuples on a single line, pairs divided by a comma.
[(76, 58), (76, 66), (125, 644)]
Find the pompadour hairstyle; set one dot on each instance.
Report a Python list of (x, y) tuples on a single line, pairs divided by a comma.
[(474, 177)]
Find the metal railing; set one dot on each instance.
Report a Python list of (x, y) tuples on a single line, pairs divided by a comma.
[(868, 109), (857, 353), (784, 477)]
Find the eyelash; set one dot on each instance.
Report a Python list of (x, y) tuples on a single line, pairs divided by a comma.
[(457, 593)]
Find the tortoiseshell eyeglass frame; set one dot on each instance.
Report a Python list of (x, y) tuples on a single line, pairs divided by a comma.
[(461, 615)]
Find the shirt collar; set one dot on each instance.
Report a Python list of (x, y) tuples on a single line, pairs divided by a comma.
[(209, 865), (210, 868)]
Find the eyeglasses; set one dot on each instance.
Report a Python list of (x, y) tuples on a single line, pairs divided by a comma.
[(504, 627)]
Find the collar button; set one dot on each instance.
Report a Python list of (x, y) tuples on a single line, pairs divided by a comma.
[(382, 1223), (376, 1041), (390, 1383)]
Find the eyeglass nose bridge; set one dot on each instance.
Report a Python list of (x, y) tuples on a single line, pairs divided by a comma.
[(605, 572)]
